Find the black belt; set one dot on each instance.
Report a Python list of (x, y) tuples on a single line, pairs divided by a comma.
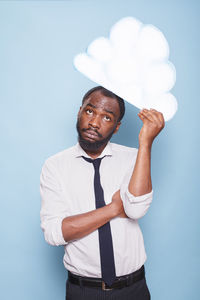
[(119, 283)]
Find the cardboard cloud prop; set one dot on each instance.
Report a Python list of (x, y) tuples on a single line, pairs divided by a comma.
[(133, 63)]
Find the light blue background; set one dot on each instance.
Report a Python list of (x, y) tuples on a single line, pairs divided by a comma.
[(40, 95)]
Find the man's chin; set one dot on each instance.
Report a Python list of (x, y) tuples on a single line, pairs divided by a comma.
[(90, 144)]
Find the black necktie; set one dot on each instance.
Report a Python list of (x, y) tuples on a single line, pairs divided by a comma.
[(105, 237)]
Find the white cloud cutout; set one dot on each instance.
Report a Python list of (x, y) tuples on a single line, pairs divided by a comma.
[(133, 63)]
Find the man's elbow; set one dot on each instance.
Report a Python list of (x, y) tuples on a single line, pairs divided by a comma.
[(51, 239), (136, 206), (53, 234), (136, 211)]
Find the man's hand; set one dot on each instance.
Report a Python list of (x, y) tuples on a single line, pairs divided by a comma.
[(153, 123), (117, 201)]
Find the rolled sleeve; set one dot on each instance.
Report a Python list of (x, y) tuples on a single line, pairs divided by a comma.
[(134, 206), (53, 208)]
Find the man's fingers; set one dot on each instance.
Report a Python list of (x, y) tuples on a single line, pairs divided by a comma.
[(116, 195), (160, 117), (141, 116), (146, 114), (153, 116)]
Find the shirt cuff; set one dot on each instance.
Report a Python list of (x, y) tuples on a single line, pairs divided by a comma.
[(135, 206), (135, 199), (53, 233)]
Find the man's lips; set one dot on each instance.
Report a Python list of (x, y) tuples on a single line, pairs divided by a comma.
[(91, 134)]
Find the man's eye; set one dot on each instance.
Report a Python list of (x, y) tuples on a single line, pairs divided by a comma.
[(89, 111), (107, 118)]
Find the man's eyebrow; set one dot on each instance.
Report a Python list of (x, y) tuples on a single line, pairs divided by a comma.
[(108, 111), (89, 104)]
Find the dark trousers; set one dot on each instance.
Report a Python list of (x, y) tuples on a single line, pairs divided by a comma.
[(137, 291)]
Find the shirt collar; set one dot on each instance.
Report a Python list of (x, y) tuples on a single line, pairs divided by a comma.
[(107, 151)]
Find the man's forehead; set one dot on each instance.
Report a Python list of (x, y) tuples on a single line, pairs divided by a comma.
[(101, 101)]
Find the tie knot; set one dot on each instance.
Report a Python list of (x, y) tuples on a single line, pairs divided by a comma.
[(96, 162)]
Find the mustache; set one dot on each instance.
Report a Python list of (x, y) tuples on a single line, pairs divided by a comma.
[(91, 129)]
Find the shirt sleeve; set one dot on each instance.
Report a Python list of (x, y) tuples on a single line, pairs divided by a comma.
[(53, 208), (134, 206)]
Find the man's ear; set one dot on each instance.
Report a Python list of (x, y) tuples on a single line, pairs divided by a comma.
[(79, 112), (117, 128)]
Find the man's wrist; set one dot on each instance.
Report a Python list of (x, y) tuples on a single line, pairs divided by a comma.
[(114, 209), (145, 145)]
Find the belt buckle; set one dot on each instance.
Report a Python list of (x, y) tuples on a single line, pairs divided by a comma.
[(104, 288)]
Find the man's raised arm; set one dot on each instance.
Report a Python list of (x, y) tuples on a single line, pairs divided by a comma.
[(137, 192), (153, 123)]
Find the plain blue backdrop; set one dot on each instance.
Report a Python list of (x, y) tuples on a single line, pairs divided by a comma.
[(40, 95)]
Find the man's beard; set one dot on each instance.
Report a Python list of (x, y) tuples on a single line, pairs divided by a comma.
[(92, 146)]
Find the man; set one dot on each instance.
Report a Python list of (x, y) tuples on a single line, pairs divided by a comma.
[(92, 196)]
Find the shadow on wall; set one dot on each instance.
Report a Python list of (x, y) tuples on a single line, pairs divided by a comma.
[(130, 128)]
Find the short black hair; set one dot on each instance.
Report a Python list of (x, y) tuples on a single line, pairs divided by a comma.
[(107, 93)]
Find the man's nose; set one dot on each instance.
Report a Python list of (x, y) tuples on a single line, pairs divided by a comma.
[(95, 122)]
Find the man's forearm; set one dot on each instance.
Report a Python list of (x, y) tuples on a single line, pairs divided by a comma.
[(78, 226), (140, 182), (153, 123)]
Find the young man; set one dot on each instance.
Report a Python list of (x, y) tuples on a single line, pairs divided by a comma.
[(92, 196)]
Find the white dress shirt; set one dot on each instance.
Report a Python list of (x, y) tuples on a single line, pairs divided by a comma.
[(67, 189)]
